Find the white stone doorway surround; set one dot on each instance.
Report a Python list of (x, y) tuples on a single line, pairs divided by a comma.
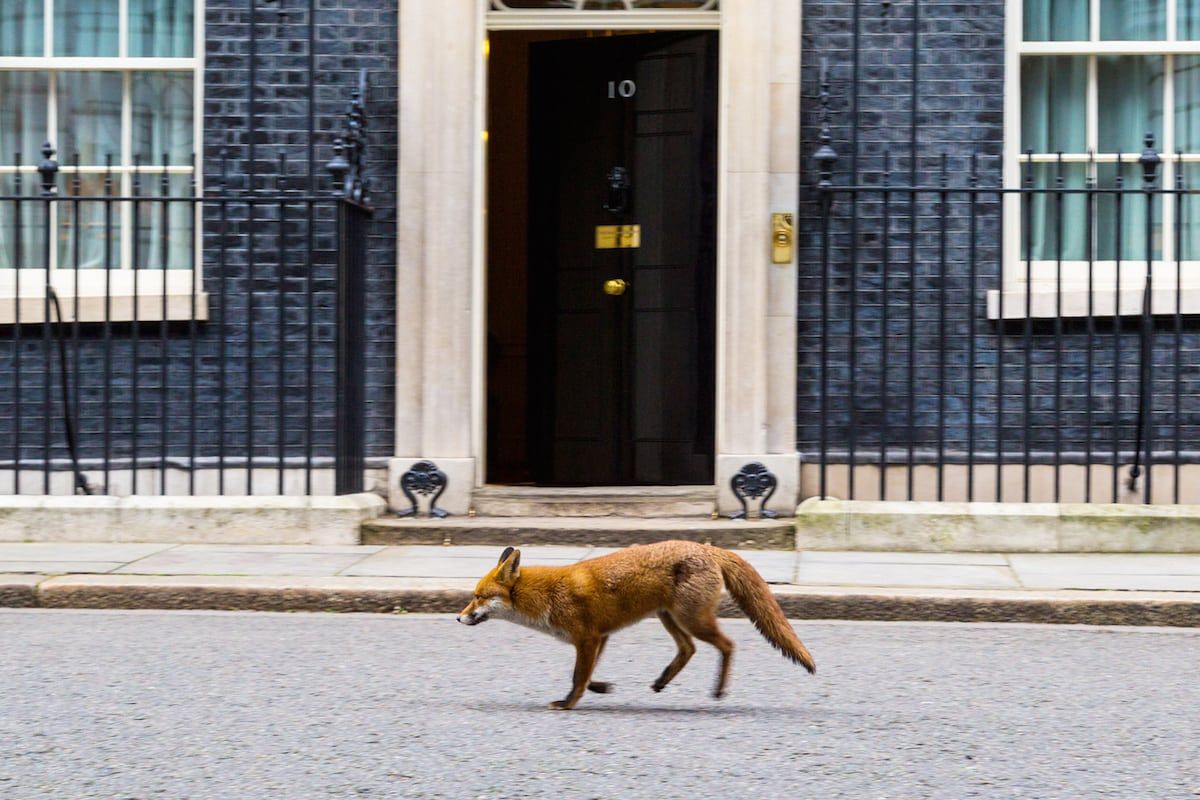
[(441, 270)]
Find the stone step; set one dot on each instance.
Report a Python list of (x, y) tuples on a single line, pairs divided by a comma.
[(596, 531), (594, 501)]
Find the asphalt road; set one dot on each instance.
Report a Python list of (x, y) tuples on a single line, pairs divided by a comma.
[(242, 705)]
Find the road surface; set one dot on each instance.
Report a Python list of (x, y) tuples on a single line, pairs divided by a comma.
[(243, 705)]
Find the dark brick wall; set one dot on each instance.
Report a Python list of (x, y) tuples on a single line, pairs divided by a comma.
[(946, 354), (238, 353)]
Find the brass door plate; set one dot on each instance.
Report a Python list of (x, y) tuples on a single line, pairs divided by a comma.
[(782, 238), (614, 237)]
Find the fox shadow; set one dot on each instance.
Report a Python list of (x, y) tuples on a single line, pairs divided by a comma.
[(655, 710)]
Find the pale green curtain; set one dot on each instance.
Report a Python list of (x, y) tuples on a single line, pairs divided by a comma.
[(162, 117), (1054, 119), (89, 124), (162, 125), (1188, 21), (1129, 220), (1131, 92), (161, 28), (1054, 104), (1187, 103), (21, 27), (1189, 216), (150, 219), (85, 28), (1133, 20), (1131, 88), (89, 117), (22, 129), (1056, 20), (1058, 223)]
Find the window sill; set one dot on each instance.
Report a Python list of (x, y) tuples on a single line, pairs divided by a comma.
[(1048, 303), (116, 308)]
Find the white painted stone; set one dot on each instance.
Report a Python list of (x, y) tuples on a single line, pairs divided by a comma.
[(263, 520)]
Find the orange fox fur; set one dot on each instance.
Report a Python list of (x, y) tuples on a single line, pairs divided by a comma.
[(584, 603)]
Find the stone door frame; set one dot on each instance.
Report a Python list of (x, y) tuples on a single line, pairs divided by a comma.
[(441, 269)]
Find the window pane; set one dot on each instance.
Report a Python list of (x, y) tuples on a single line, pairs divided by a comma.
[(23, 246), (161, 28), (1056, 220), (1056, 20), (85, 28), (162, 116), (1124, 217), (1137, 20), (172, 233), (1131, 92), (89, 117), (21, 28), (22, 115), (84, 226), (1189, 19), (1053, 103), (1189, 214), (1187, 103)]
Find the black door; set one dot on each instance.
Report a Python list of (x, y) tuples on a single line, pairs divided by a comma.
[(623, 134)]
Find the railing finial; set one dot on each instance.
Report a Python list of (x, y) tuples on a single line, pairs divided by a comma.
[(49, 169), (826, 156)]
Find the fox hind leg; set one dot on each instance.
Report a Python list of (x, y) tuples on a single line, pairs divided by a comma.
[(685, 653), (704, 627)]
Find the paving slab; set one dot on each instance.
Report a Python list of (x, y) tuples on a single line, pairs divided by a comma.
[(1134, 571), (456, 562), (774, 566), (876, 573), (300, 560), (860, 557), (77, 551), (69, 557)]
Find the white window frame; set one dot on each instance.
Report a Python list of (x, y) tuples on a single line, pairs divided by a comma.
[(83, 291), (1045, 299)]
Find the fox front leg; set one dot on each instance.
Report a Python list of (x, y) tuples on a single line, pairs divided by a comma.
[(586, 653), (600, 687)]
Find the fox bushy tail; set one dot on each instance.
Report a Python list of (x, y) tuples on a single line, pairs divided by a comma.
[(754, 597)]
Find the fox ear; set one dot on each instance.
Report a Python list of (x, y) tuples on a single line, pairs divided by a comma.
[(510, 567), (507, 552)]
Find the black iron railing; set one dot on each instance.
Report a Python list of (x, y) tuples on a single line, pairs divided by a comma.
[(161, 343), (964, 338)]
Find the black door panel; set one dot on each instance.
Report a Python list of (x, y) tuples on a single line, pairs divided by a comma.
[(621, 385)]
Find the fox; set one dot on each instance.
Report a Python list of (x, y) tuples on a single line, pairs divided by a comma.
[(585, 602)]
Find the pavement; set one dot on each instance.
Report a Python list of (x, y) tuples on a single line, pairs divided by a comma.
[(1135, 589)]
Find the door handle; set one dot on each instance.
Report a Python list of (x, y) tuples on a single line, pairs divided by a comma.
[(615, 287)]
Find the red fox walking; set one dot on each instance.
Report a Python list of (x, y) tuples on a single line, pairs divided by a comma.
[(679, 581)]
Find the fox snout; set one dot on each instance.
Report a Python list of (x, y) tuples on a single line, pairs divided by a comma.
[(469, 617), (477, 611)]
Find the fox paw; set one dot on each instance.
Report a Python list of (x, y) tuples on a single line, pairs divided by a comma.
[(658, 687), (560, 705), (600, 687)]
